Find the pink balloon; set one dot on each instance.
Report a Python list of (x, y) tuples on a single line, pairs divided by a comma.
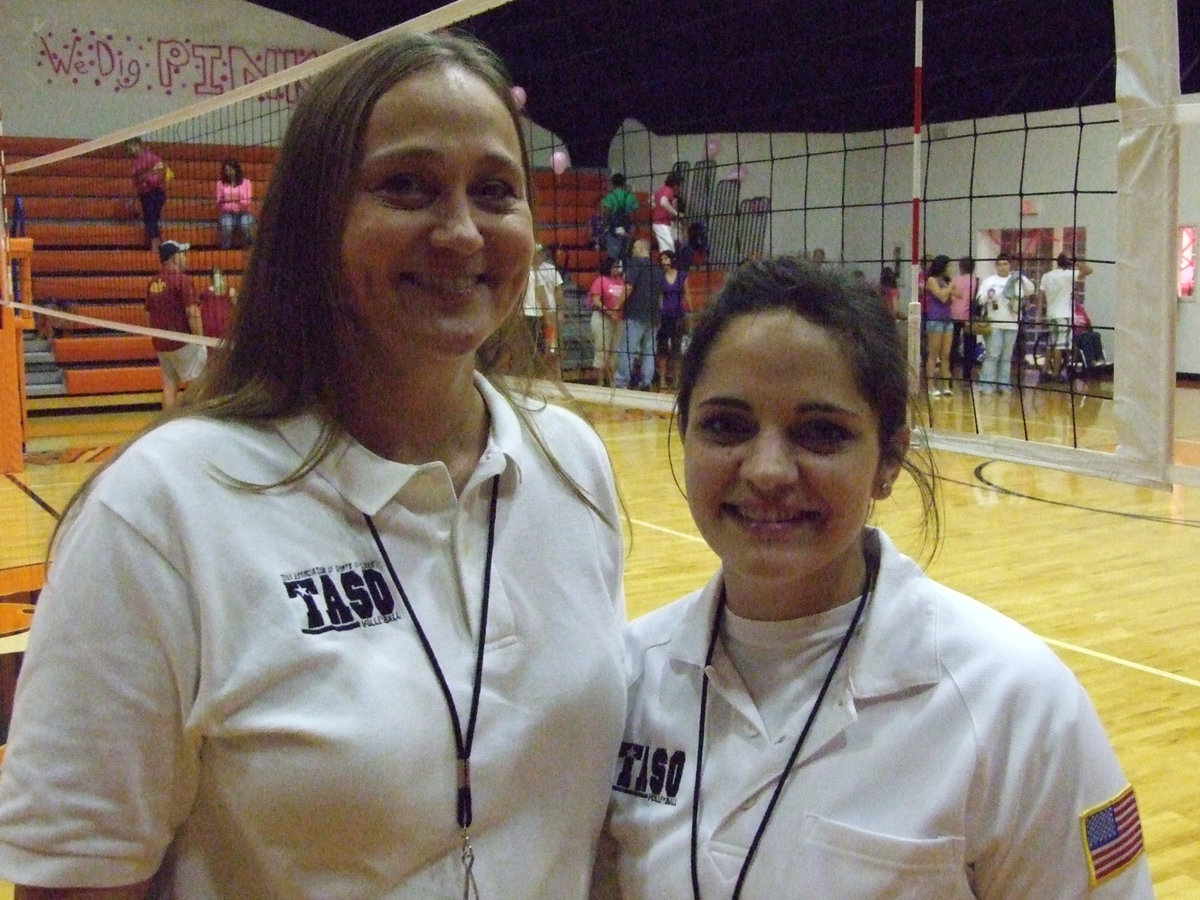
[(712, 148), (559, 161), (518, 95)]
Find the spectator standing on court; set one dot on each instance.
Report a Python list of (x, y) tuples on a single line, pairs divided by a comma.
[(938, 326), (1057, 298), (172, 305), (1000, 297), (234, 213), (664, 217), (606, 295), (619, 205), (639, 340), (543, 301), (150, 185), (962, 346), (673, 320)]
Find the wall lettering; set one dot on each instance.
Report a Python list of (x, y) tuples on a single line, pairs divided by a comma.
[(172, 66)]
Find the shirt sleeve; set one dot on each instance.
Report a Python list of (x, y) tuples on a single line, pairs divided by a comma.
[(99, 772), (1040, 796)]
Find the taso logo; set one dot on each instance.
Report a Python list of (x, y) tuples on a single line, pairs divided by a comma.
[(651, 773), (342, 597)]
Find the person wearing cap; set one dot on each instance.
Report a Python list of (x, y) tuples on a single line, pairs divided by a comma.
[(173, 305)]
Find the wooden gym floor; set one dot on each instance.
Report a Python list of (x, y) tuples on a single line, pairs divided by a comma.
[(1104, 572)]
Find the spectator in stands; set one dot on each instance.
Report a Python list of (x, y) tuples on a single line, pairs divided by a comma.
[(172, 305), (664, 217), (1057, 296), (639, 332), (822, 713), (351, 620), (673, 321), (607, 296), (216, 305), (150, 185), (693, 252), (234, 212), (544, 302), (619, 205)]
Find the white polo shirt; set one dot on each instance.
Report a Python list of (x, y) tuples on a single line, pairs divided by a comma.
[(229, 678), (953, 758)]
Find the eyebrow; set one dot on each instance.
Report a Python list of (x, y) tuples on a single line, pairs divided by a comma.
[(423, 152), (803, 408)]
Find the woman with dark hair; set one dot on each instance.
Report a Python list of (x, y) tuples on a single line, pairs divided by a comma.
[(673, 321), (939, 326), (349, 624), (607, 295), (234, 194), (822, 715)]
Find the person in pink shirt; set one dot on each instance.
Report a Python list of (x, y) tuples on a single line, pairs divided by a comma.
[(149, 182), (962, 291), (607, 297), (665, 214), (234, 193)]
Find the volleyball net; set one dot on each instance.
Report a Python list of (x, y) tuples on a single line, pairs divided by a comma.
[(1031, 186)]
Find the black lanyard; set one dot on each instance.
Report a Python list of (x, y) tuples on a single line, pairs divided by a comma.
[(871, 560), (462, 741)]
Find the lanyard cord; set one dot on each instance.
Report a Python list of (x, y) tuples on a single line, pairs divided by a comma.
[(462, 742), (871, 558)]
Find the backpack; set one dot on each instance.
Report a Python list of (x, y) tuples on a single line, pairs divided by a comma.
[(619, 213)]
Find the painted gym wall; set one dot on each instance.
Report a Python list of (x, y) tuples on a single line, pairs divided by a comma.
[(83, 69)]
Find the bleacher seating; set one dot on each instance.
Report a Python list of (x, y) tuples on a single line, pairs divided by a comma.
[(90, 256), (90, 259)]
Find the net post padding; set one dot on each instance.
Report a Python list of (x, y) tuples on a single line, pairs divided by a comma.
[(1147, 87)]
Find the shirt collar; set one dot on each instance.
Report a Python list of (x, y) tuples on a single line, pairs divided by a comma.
[(369, 482), (895, 651)]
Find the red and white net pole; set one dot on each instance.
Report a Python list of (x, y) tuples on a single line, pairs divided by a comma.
[(914, 305)]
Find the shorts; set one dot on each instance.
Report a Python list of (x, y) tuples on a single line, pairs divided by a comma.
[(939, 326), (183, 365), (1060, 333)]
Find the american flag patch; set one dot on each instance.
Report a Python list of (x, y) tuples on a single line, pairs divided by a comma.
[(1112, 836)]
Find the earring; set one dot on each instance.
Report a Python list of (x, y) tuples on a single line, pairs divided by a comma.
[(885, 488)]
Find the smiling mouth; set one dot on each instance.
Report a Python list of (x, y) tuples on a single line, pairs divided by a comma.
[(442, 284), (770, 518)]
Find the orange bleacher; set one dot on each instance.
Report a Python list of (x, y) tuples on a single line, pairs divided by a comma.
[(89, 255)]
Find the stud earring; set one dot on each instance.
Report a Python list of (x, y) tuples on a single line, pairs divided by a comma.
[(885, 488)]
